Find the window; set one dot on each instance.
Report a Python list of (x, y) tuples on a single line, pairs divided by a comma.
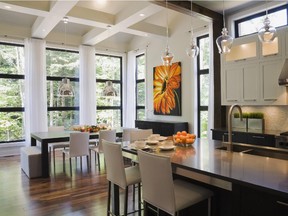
[(62, 110), (251, 24), (203, 85), (140, 86), (109, 108), (11, 92)]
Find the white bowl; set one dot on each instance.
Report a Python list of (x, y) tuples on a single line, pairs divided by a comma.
[(140, 144), (168, 143)]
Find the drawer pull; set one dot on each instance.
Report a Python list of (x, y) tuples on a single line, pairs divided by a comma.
[(267, 99), (232, 100), (282, 203), (249, 99), (258, 137)]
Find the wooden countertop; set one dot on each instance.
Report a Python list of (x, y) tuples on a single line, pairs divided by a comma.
[(203, 157)]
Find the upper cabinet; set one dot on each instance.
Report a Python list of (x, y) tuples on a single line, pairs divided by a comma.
[(250, 72)]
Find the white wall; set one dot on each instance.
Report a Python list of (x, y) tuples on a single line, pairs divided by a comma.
[(178, 42)]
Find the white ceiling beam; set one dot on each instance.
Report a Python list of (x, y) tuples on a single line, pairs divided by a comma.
[(43, 25), (126, 22), (24, 10)]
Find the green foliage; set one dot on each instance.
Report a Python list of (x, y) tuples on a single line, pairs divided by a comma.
[(244, 115), (256, 115)]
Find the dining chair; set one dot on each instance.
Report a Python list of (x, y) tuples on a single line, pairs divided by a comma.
[(57, 145), (126, 133), (118, 175), (79, 146), (140, 134), (109, 135), (160, 190)]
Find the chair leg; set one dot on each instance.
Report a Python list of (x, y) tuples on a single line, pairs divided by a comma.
[(209, 206), (81, 162), (71, 166), (88, 165), (54, 158), (126, 202), (63, 156), (98, 158), (139, 199), (109, 198)]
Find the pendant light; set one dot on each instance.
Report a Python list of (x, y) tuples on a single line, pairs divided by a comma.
[(167, 56), (193, 50), (225, 41), (109, 90), (65, 88), (267, 33)]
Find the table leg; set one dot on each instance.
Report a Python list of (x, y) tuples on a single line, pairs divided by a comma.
[(115, 199), (33, 141), (45, 159)]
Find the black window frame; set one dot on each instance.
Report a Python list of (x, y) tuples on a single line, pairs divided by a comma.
[(17, 77), (199, 73), (263, 13), (58, 78), (120, 107), (138, 81)]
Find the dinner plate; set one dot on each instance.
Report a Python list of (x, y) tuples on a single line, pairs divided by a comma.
[(166, 148), (151, 142), (132, 146), (161, 138)]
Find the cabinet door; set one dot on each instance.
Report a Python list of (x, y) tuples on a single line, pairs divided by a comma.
[(233, 82), (261, 139), (251, 83), (270, 72)]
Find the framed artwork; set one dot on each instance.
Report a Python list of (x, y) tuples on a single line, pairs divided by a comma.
[(167, 89)]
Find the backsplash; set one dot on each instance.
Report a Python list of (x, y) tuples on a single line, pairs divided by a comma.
[(276, 117)]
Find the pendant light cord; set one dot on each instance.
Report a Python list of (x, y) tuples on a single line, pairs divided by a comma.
[(191, 25), (167, 32), (224, 26), (266, 8)]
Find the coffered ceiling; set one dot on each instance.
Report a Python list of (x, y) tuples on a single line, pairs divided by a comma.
[(92, 22)]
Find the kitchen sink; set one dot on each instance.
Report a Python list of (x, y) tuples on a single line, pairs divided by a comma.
[(267, 153), (236, 148), (257, 152)]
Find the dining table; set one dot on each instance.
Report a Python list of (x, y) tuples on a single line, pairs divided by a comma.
[(52, 137)]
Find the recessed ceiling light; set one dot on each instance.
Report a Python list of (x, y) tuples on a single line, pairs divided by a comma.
[(142, 14), (7, 7)]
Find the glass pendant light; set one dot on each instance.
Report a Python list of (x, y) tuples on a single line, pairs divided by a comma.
[(167, 56), (225, 41), (193, 50), (267, 33), (65, 88)]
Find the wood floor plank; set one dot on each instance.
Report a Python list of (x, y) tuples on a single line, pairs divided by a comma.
[(82, 194)]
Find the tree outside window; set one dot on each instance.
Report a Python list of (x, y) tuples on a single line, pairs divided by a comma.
[(140, 86)]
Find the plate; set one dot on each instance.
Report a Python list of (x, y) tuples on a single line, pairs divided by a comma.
[(166, 148), (132, 146), (151, 142), (161, 138)]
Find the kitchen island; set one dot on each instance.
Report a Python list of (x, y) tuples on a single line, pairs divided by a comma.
[(234, 177)]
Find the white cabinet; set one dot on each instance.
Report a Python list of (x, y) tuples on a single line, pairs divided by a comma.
[(241, 84), (271, 92), (250, 72)]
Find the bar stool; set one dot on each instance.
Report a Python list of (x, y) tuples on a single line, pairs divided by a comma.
[(160, 190), (118, 175)]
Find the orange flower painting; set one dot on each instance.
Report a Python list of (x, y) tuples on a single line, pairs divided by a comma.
[(167, 90)]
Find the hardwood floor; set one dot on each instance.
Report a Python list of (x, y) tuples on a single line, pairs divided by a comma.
[(82, 194)]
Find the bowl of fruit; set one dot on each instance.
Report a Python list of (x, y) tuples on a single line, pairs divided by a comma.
[(184, 138)]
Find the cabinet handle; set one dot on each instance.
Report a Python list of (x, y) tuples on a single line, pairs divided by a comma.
[(232, 100), (275, 54), (249, 99), (267, 99), (239, 60), (227, 134), (282, 203), (258, 137)]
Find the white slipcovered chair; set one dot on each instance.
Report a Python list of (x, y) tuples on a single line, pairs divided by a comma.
[(118, 175), (109, 135), (140, 134), (53, 146), (160, 190), (79, 146), (126, 134)]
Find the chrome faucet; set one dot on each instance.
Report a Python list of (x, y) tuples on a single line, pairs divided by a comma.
[(230, 146)]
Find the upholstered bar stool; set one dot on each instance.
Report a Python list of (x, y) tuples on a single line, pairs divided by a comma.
[(160, 190), (118, 175)]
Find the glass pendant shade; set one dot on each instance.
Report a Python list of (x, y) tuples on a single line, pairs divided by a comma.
[(193, 50), (224, 42), (65, 88), (167, 57), (109, 90), (267, 33)]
